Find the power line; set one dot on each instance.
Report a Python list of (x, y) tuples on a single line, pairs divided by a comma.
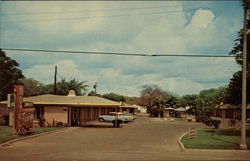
[(111, 16), (108, 16), (112, 9), (120, 54)]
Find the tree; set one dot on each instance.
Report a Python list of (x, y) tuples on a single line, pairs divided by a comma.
[(206, 103), (173, 101), (48, 89), (63, 87), (131, 100), (114, 97), (9, 75), (151, 95), (91, 93), (190, 101), (157, 107), (32, 87), (235, 85)]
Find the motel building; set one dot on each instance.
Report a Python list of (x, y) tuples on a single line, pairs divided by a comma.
[(70, 110)]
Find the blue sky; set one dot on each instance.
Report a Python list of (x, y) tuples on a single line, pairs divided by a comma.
[(162, 27)]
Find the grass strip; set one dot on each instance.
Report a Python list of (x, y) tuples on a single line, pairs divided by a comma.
[(208, 138), (6, 132)]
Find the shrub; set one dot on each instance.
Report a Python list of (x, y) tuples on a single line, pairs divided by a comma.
[(211, 122), (42, 122), (4, 120), (232, 122), (59, 124)]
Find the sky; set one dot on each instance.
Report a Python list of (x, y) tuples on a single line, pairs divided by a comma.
[(145, 27)]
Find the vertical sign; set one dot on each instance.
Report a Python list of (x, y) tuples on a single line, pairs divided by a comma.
[(18, 91)]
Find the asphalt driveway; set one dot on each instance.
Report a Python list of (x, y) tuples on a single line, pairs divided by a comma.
[(143, 139)]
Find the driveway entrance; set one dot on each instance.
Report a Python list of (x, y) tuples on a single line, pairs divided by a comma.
[(140, 140)]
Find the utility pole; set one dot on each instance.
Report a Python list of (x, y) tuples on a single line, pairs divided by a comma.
[(243, 144), (55, 80), (95, 87)]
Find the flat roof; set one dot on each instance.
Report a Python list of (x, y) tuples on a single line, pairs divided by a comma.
[(50, 99)]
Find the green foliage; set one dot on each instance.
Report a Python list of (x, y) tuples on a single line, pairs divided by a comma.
[(131, 100), (9, 75), (114, 97), (157, 107), (172, 101), (235, 84), (212, 122), (48, 89), (32, 87), (6, 132), (91, 93), (222, 139), (63, 87), (237, 50), (151, 98), (235, 89), (190, 101), (4, 120), (207, 101)]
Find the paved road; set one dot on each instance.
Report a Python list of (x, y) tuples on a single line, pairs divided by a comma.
[(141, 140)]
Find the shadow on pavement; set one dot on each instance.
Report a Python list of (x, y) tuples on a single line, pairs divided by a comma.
[(99, 126)]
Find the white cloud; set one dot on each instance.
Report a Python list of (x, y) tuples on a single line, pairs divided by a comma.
[(172, 33), (200, 20), (45, 73)]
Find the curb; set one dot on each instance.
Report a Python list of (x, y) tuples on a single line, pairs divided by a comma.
[(32, 136), (180, 143), (217, 150), (220, 150)]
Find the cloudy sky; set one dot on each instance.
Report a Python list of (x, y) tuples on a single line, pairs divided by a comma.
[(162, 27)]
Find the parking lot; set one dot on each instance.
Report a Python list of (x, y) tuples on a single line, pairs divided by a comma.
[(142, 139)]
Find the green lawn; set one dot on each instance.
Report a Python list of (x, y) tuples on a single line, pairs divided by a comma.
[(219, 139), (6, 132)]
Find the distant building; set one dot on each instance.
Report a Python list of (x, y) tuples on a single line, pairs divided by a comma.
[(230, 111), (141, 109), (128, 108)]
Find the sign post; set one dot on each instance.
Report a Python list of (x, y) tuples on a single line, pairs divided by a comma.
[(18, 121)]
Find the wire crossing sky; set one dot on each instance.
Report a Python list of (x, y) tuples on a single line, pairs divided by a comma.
[(119, 54), (181, 46)]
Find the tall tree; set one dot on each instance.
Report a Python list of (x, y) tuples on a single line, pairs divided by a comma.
[(63, 87), (151, 95), (235, 84), (9, 74), (207, 101)]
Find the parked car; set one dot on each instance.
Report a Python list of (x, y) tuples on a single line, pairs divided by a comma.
[(122, 117)]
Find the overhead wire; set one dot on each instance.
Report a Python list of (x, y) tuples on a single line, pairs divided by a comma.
[(120, 54), (106, 16), (111, 9)]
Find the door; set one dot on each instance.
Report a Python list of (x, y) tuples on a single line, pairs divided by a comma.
[(75, 116)]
